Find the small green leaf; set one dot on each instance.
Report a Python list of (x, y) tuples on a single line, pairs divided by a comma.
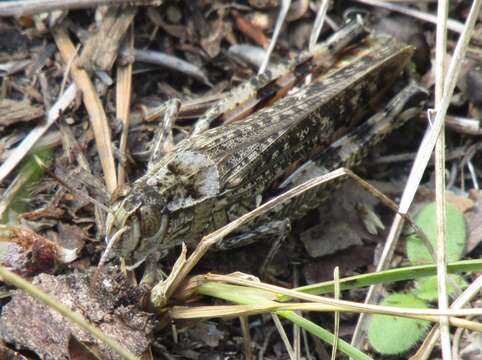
[(390, 335), (30, 172), (418, 254), (427, 287)]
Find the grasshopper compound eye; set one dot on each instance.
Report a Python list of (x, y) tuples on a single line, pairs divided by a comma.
[(122, 231), (133, 230)]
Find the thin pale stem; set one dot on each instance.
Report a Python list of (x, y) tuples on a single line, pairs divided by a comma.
[(440, 56), (285, 6), (336, 278), (318, 25)]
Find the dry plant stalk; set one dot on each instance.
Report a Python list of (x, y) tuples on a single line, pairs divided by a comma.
[(441, 260), (123, 103), (94, 107)]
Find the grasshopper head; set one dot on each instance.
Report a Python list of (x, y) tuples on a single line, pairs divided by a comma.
[(139, 223), (136, 225)]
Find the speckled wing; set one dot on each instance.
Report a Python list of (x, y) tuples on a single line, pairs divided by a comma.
[(258, 150)]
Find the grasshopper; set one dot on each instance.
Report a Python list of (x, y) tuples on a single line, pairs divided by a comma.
[(220, 174)]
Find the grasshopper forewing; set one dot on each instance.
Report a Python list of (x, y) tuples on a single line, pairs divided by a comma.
[(216, 176)]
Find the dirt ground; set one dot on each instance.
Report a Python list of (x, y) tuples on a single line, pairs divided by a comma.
[(84, 93)]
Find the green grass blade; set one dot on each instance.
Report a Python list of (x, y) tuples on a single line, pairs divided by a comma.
[(388, 276)]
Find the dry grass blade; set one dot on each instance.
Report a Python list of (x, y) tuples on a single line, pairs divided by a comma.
[(248, 352), (343, 305), (94, 107), (284, 336), (229, 311), (123, 103), (31, 7), (29, 141), (440, 56), (453, 25)]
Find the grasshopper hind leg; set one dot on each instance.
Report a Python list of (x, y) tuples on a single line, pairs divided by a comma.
[(331, 164), (275, 231)]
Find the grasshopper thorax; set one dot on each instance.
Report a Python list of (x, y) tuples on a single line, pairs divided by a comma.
[(141, 219)]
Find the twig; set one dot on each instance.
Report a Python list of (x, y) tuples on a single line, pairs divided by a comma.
[(320, 19), (441, 251), (285, 6), (248, 352), (24, 147), (168, 61), (452, 25), (31, 7), (422, 159), (97, 116), (65, 311)]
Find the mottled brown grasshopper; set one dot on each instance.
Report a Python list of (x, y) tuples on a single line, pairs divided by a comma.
[(220, 174)]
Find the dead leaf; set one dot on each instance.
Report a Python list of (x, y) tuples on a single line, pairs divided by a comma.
[(250, 30)]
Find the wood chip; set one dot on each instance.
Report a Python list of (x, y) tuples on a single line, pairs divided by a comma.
[(12, 112), (101, 49)]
